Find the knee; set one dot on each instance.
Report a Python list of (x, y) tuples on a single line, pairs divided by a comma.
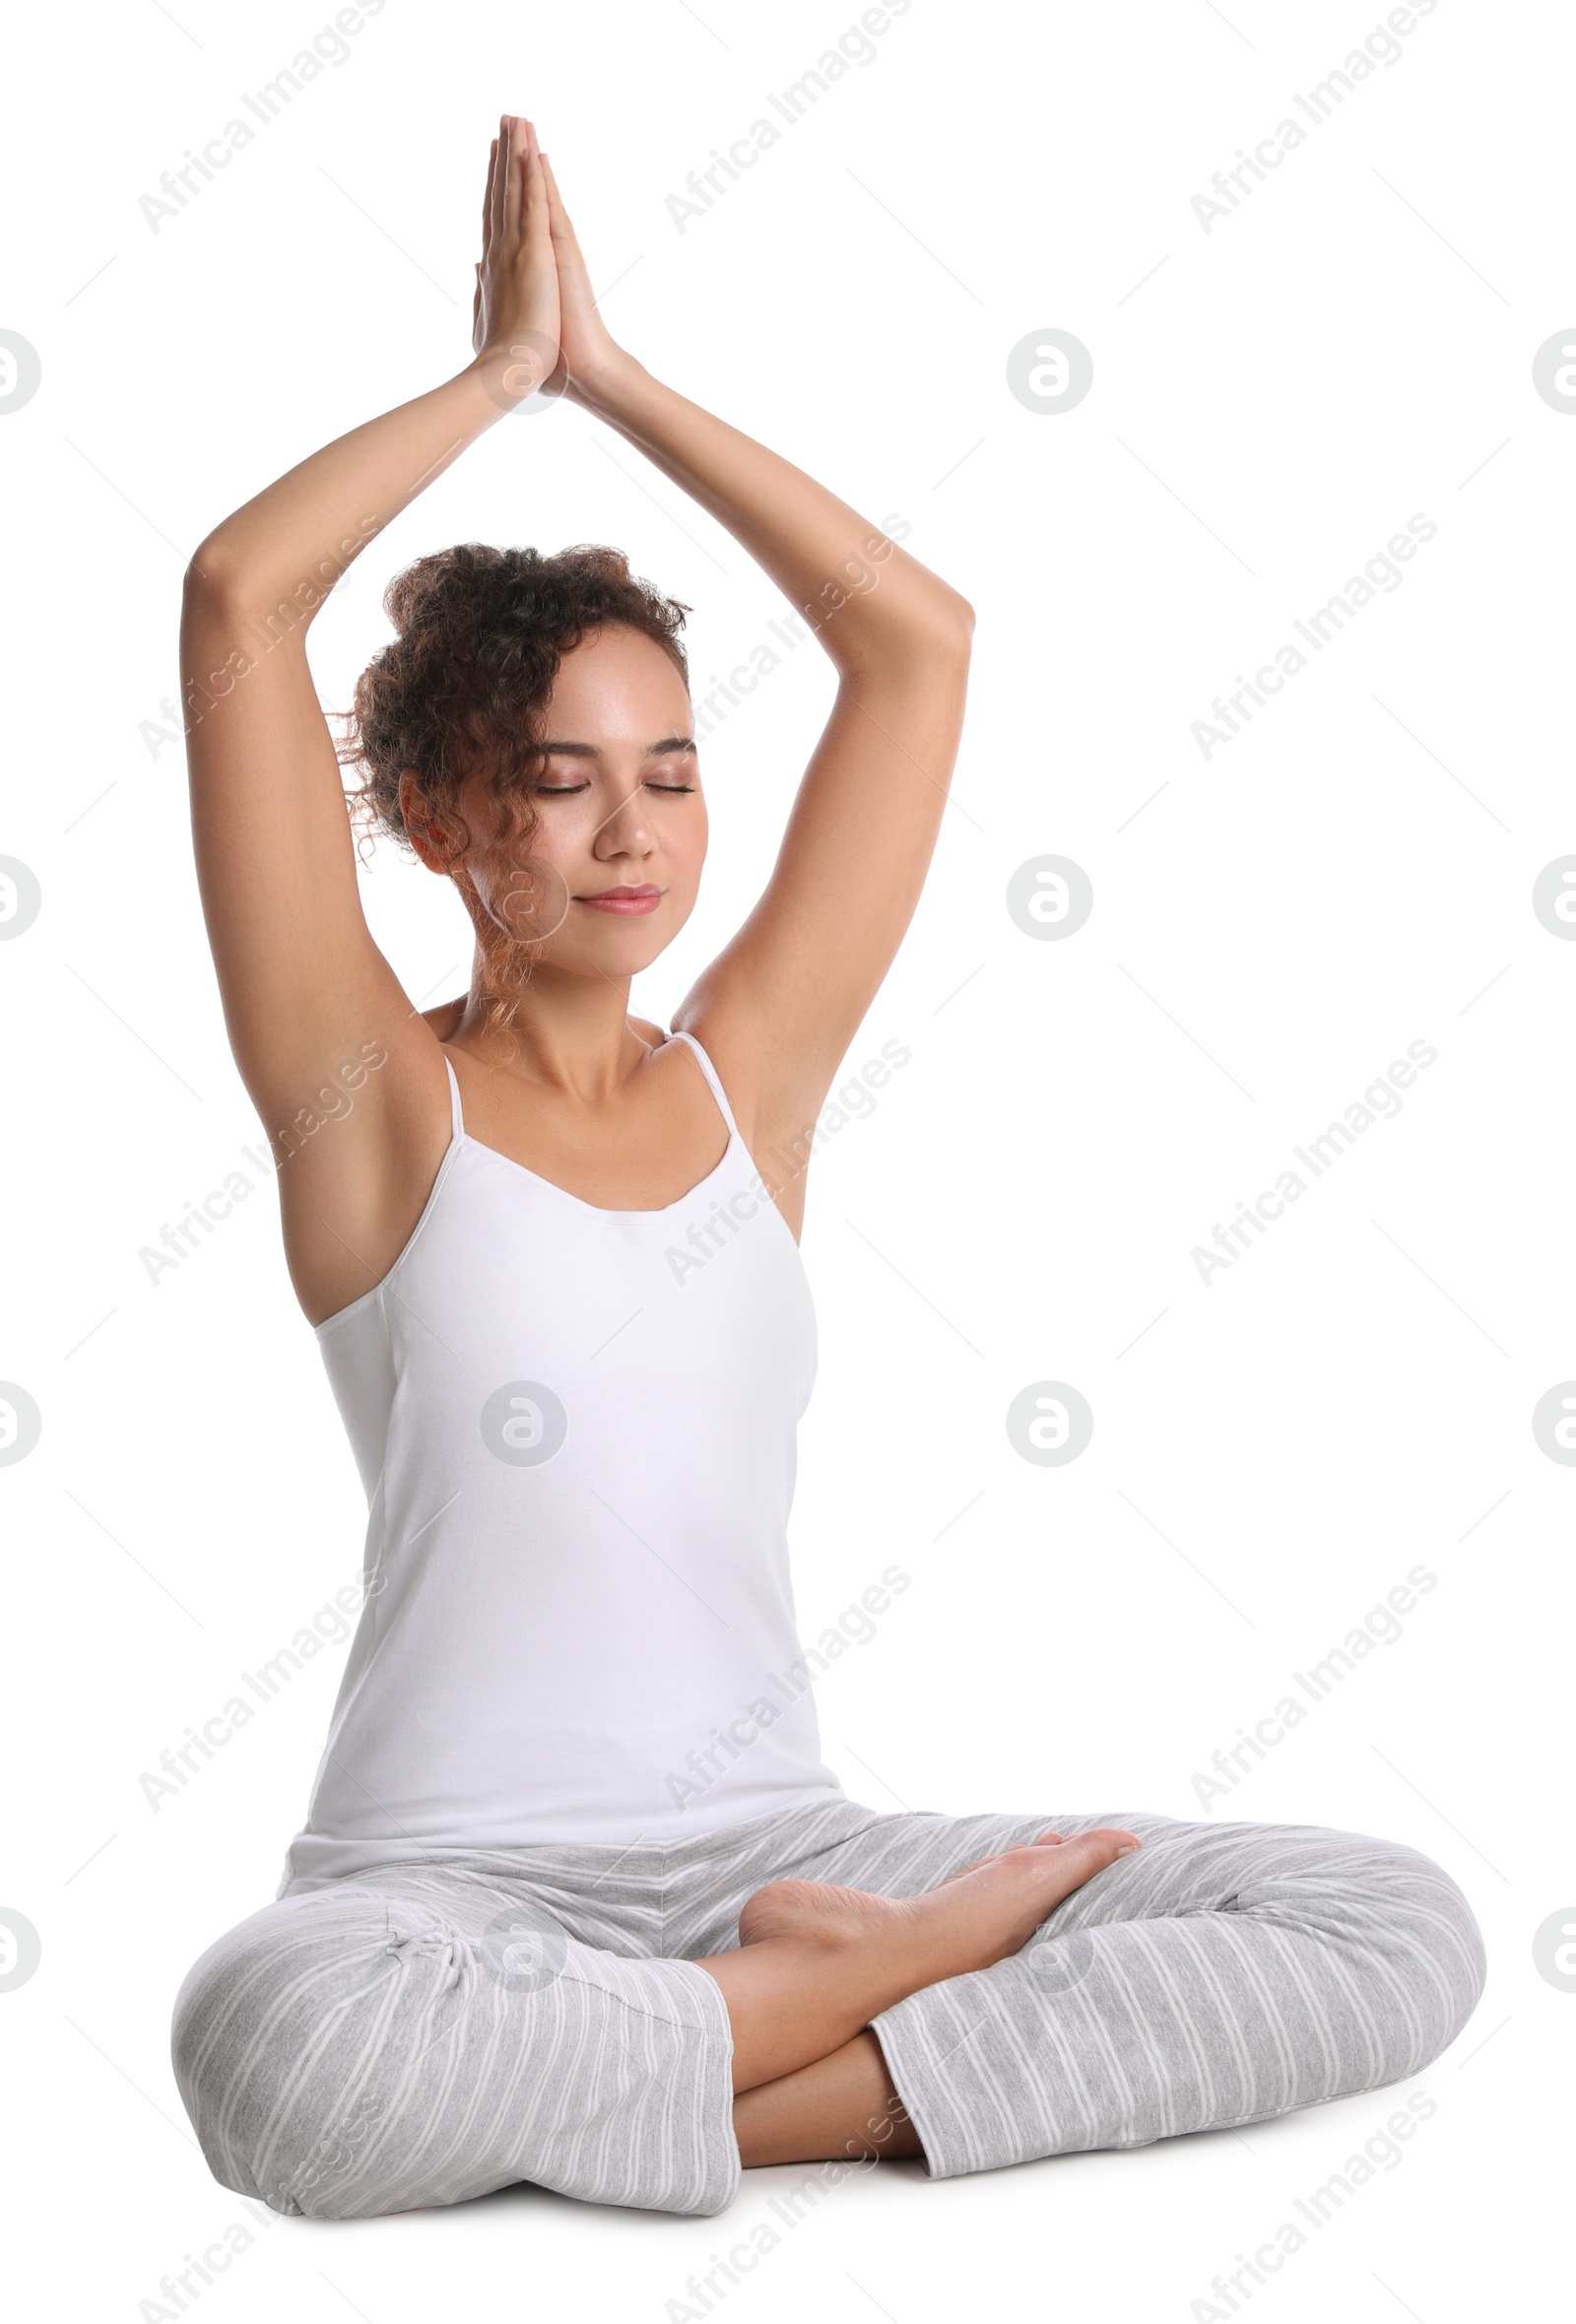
[(269, 2046), (1437, 1924), (1409, 1924), (1394, 1953)]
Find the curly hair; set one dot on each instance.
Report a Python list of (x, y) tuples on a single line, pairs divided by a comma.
[(461, 688)]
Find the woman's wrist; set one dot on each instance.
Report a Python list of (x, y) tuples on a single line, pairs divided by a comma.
[(605, 386), (513, 370)]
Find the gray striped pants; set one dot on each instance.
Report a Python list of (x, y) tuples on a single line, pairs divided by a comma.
[(423, 2032)]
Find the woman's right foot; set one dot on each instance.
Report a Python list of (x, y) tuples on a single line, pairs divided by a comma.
[(814, 1964), (976, 1918)]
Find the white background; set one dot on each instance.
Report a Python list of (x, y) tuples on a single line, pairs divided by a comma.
[(1272, 401)]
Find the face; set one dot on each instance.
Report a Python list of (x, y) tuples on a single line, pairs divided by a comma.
[(613, 865)]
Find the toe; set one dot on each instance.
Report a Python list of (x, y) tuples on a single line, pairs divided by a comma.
[(1110, 1839)]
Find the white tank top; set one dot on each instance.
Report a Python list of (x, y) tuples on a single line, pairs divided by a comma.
[(577, 1430)]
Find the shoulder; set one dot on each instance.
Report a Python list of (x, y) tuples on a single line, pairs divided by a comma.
[(739, 1057)]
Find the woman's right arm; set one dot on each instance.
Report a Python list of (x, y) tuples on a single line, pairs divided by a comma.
[(307, 996)]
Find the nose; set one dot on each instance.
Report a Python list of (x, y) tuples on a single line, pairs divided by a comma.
[(625, 830)]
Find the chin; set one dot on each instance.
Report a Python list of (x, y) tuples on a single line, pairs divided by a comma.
[(624, 951), (633, 956)]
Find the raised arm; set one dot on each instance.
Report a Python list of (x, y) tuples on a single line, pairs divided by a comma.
[(308, 998), (779, 1004)]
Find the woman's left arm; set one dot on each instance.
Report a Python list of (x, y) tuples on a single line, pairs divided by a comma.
[(778, 1007)]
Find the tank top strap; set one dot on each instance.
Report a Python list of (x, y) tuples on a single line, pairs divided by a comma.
[(456, 1116), (712, 1081)]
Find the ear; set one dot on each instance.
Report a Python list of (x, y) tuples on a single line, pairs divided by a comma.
[(417, 812)]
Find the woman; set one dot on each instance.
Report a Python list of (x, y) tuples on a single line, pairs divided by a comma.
[(577, 1901)]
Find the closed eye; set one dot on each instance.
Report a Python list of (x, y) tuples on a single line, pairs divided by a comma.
[(573, 790)]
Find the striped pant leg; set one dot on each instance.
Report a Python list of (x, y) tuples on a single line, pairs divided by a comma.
[(406, 2038), (1224, 1974)]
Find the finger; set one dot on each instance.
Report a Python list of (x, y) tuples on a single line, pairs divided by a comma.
[(565, 241), (538, 216), (533, 191), (562, 231), (486, 195), (515, 181), (499, 186), (555, 198)]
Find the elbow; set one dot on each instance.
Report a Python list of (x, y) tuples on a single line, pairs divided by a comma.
[(932, 637), (211, 578), (951, 626), (226, 584), (962, 616)]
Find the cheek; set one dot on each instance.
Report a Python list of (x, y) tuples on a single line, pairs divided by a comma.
[(695, 841), (558, 841), (562, 833)]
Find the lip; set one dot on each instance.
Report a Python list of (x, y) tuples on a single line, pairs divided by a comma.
[(630, 902)]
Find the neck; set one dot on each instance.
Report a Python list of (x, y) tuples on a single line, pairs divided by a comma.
[(570, 1033)]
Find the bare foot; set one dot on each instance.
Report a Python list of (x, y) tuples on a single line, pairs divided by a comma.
[(815, 1964), (975, 1918)]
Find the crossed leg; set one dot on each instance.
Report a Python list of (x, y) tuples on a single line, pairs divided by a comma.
[(965, 1988), (816, 1962), (1052, 1998)]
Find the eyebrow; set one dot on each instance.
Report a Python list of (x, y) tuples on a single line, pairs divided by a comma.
[(669, 742)]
